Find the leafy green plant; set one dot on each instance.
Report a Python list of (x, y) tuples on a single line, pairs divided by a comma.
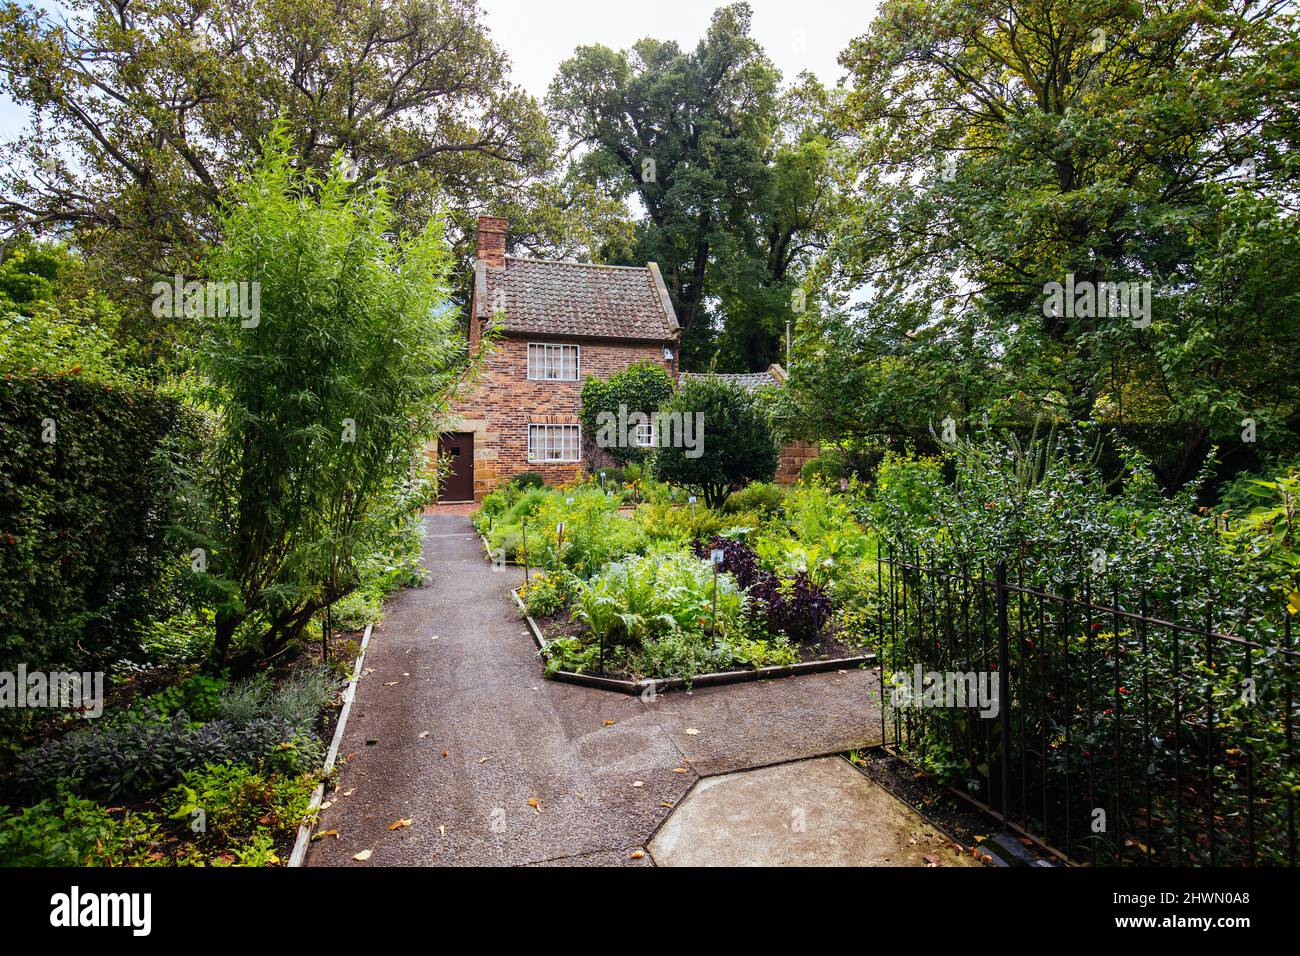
[(325, 405), (238, 804), (117, 763), (736, 443), (71, 831), (640, 388)]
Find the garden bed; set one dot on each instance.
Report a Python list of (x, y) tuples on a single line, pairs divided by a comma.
[(625, 684)]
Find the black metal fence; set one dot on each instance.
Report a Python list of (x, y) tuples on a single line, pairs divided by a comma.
[(1095, 724)]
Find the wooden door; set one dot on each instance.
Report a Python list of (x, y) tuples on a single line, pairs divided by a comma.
[(459, 447)]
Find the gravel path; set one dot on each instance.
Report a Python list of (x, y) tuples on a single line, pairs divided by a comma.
[(455, 729)]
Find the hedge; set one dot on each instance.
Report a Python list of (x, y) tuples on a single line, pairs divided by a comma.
[(84, 561)]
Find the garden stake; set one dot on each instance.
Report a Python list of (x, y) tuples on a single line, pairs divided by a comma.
[(523, 545)]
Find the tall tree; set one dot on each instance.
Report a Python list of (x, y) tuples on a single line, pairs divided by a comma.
[(327, 392), (143, 109), (729, 182), (1003, 146)]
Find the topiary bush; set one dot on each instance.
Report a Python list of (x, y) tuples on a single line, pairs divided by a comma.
[(86, 498)]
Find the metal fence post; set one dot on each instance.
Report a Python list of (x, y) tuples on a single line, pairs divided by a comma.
[(1004, 689)]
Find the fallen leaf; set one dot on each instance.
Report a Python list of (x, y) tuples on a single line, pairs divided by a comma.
[(610, 723), (929, 860), (348, 793), (484, 759), (392, 683), (400, 824), (425, 734), (362, 856), (638, 783), (535, 804), (692, 732), (322, 834), (638, 855), (444, 753), (680, 770), (664, 803), (327, 804), (442, 830)]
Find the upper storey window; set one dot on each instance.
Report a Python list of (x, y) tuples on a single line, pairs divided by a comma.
[(557, 363)]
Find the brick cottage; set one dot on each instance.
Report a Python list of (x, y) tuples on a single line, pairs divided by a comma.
[(555, 323)]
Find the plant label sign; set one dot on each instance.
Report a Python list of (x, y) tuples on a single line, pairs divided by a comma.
[(717, 556)]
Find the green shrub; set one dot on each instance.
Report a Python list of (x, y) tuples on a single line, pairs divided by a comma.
[(326, 406), (196, 697), (70, 831), (735, 441), (297, 699), (527, 479), (239, 804), (594, 532), (137, 759), (548, 592), (641, 388), (84, 557), (761, 497)]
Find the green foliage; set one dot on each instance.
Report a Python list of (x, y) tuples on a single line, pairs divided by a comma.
[(640, 388), (85, 563), (326, 404), (736, 444), (527, 479), (122, 762), (963, 214), (196, 697), (297, 698), (762, 498), (70, 831), (239, 804), (594, 532), (136, 171), (1268, 537), (547, 592), (743, 185)]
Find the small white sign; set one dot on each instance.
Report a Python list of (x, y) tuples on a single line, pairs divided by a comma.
[(691, 500), (717, 556)]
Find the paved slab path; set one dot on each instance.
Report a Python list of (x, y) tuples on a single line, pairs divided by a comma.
[(455, 729)]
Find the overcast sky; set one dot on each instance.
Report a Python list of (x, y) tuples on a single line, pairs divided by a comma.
[(797, 34), (538, 34)]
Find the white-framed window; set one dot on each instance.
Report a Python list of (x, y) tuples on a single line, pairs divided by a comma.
[(554, 442), (556, 363), (645, 435)]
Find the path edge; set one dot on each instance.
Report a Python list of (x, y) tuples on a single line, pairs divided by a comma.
[(303, 841)]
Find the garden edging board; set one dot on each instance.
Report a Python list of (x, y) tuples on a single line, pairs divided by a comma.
[(300, 845)]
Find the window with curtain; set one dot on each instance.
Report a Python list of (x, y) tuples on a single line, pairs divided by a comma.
[(554, 442), (556, 363)]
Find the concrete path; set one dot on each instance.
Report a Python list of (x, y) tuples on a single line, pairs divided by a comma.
[(455, 729), (819, 812)]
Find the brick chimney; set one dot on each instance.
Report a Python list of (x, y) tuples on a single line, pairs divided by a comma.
[(492, 241)]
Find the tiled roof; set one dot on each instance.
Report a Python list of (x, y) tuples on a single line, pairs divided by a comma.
[(550, 297), (749, 381)]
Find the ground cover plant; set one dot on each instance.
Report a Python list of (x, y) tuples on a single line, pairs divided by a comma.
[(633, 594)]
